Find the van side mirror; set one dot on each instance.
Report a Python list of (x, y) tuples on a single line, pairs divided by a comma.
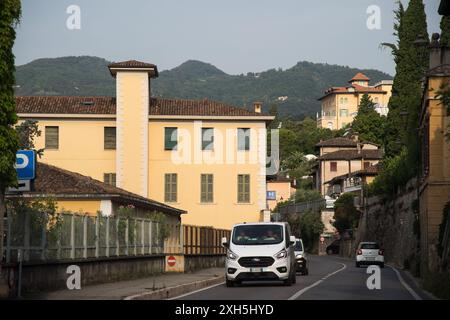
[(291, 240), (225, 243)]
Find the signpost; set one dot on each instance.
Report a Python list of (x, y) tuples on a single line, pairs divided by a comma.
[(26, 170)]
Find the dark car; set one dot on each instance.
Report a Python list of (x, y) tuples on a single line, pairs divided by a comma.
[(334, 247)]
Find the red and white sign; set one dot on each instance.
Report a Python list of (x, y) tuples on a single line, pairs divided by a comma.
[(171, 261)]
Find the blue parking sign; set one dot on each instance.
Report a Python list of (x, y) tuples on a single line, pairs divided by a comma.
[(271, 195), (26, 164)]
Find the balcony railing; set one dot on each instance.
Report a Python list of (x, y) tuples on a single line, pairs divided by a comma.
[(302, 207)]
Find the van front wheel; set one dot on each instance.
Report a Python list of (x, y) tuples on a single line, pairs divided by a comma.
[(229, 283), (288, 282)]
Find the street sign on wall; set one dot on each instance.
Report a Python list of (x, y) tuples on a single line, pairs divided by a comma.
[(271, 195), (26, 164)]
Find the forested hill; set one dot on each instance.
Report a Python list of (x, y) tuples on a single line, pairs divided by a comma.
[(295, 90)]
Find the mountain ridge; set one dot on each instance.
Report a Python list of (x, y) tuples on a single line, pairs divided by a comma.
[(295, 90)]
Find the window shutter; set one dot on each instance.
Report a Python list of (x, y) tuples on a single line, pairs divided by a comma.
[(110, 138), (51, 137)]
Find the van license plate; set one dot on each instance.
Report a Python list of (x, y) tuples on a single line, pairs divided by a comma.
[(256, 269)]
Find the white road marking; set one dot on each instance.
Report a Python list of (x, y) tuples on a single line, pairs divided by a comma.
[(407, 287), (299, 293), (199, 290)]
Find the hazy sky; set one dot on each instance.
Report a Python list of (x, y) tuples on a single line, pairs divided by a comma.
[(237, 36)]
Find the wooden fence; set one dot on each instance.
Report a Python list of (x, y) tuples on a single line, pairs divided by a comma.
[(203, 240)]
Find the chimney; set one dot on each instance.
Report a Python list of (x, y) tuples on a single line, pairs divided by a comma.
[(132, 103), (257, 106)]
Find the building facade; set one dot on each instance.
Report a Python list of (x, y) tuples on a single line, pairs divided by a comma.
[(205, 157), (434, 182), (339, 105)]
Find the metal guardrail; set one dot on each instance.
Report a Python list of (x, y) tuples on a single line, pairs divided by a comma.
[(302, 207)]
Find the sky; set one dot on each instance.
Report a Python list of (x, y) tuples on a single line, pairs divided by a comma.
[(237, 36)]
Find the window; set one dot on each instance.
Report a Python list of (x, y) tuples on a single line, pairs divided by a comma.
[(170, 187), (330, 125), (243, 188), (109, 139), (206, 181), (244, 139), (333, 166), (207, 138), (51, 137), (170, 138), (109, 178), (366, 164), (343, 113)]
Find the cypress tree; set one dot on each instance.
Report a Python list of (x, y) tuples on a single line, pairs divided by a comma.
[(411, 63), (10, 11), (445, 31)]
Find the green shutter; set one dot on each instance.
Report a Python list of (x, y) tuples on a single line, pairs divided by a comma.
[(243, 188), (51, 137), (170, 187), (109, 140), (170, 138), (207, 138), (206, 188), (243, 139)]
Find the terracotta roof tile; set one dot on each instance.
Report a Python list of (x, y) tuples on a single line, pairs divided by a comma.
[(337, 142), (352, 155), (51, 180), (360, 77), (107, 105)]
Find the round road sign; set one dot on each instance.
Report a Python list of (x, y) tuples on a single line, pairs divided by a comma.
[(171, 261)]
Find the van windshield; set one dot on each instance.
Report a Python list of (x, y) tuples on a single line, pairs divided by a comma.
[(257, 234), (298, 246)]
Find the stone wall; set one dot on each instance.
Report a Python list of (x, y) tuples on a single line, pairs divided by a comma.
[(394, 224)]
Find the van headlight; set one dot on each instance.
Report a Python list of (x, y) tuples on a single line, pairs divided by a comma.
[(231, 255), (281, 255)]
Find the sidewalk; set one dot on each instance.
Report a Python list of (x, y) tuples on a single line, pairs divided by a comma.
[(122, 289)]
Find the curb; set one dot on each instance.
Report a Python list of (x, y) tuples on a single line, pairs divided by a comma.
[(418, 283), (175, 291)]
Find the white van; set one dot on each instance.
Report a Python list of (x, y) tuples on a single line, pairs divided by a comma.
[(260, 251)]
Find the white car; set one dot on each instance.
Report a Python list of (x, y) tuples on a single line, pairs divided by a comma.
[(300, 257), (260, 251), (369, 253)]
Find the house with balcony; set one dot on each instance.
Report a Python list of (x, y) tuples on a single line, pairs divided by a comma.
[(340, 104)]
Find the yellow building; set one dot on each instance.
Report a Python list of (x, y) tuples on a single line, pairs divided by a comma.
[(340, 104), (434, 182), (205, 157)]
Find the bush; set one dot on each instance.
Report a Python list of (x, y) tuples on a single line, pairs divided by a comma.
[(307, 226), (346, 216)]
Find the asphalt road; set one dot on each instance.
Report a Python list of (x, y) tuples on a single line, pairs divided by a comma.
[(330, 278)]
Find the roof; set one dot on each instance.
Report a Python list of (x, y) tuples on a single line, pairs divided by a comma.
[(337, 142), (370, 171), (133, 64), (352, 155), (107, 106), (351, 89), (59, 183), (359, 77)]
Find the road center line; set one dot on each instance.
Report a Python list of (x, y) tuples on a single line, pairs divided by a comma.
[(404, 284), (299, 293)]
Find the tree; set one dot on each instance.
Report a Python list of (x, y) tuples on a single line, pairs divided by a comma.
[(445, 30), (411, 63), (346, 216), (368, 123), (10, 11), (27, 131), (297, 166)]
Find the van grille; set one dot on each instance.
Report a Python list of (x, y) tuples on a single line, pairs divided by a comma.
[(250, 262)]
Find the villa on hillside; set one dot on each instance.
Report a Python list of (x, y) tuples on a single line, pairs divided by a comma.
[(340, 104)]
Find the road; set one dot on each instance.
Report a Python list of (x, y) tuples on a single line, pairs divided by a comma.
[(330, 277)]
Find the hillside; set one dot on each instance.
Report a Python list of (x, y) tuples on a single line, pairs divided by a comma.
[(295, 90)]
